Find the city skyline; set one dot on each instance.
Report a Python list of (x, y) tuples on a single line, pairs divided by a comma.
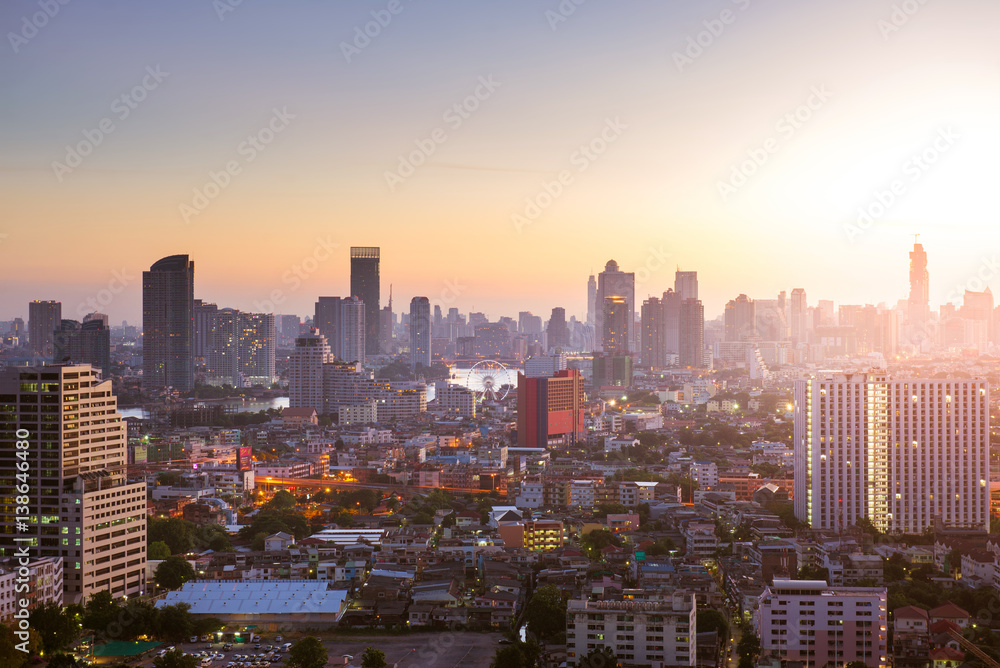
[(835, 103)]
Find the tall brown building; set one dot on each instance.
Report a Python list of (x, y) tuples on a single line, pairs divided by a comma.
[(81, 505)]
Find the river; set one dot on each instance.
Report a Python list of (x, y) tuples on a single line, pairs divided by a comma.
[(241, 406)]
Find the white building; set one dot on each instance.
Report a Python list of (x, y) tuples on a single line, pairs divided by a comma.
[(582, 493), (455, 400), (772, 453), (652, 633), (305, 371), (699, 538), (899, 452), (705, 473), (352, 330), (530, 494), (616, 443), (43, 584), (544, 366), (632, 493), (811, 622), (361, 413)]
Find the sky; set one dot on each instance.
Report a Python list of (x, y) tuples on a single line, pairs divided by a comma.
[(498, 153)]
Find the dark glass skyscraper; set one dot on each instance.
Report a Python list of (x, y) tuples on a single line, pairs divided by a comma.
[(365, 286), (420, 332), (168, 324)]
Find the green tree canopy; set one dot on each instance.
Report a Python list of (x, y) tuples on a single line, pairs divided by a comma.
[(157, 551), (599, 657), (175, 659), (546, 612), (174, 572), (712, 620), (307, 653), (56, 629), (373, 658)]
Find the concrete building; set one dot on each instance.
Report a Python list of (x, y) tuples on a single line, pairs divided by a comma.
[(550, 410), (811, 622), (455, 400), (613, 282), (352, 330), (305, 371), (420, 332), (89, 343), (366, 286), (705, 473), (88, 512), (44, 318), (898, 452), (42, 584), (168, 324), (652, 633)]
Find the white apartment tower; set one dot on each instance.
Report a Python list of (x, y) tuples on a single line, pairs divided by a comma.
[(81, 505), (898, 452), (305, 371)]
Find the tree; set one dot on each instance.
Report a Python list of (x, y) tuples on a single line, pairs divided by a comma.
[(282, 500), (810, 572), (546, 612), (63, 660), (157, 551), (173, 531), (56, 629), (175, 659), (517, 655), (599, 657), (10, 655), (173, 573), (748, 647), (101, 611), (308, 653), (175, 622), (712, 620), (373, 658)]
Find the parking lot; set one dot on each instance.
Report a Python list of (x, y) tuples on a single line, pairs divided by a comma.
[(446, 649)]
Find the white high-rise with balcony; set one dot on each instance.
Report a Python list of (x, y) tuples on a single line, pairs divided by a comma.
[(898, 452)]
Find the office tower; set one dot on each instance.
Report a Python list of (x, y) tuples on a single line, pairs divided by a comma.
[(898, 452), (686, 284), (326, 319), (290, 329), (353, 331), (591, 299), (386, 323), (919, 300), (654, 632), (671, 305), (43, 319), (741, 319), (797, 315), (550, 410), (492, 340), (653, 334), (557, 330), (99, 317), (81, 505), (437, 314), (887, 334), (772, 325), (203, 315), (256, 349), (977, 312), (612, 282), (477, 318), (305, 371), (544, 366), (692, 334), (168, 324), (420, 332), (89, 343), (812, 624), (615, 336), (365, 286), (611, 371)]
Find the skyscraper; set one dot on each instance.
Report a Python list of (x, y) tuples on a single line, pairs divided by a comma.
[(692, 334), (203, 315), (89, 343), (557, 330), (326, 319), (591, 299), (420, 332), (87, 511), (671, 305), (387, 321), (919, 302), (168, 324), (615, 337), (741, 319), (241, 353), (305, 371), (797, 310), (612, 282), (686, 284), (365, 286), (44, 319), (653, 334), (900, 453), (353, 312), (550, 410)]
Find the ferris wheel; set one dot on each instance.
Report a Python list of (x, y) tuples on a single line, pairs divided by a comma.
[(490, 380)]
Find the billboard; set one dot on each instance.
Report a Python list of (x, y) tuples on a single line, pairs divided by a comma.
[(244, 458)]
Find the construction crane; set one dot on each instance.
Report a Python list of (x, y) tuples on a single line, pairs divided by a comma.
[(969, 646)]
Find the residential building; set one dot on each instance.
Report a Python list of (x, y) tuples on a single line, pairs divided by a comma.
[(44, 318), (305, 371), (420, 332), (550, 410)]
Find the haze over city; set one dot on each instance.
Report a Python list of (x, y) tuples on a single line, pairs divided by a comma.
[(832, 103)]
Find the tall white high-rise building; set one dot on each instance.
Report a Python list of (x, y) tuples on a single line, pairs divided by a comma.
[(898, 452), (305, 371), (352, 330)]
